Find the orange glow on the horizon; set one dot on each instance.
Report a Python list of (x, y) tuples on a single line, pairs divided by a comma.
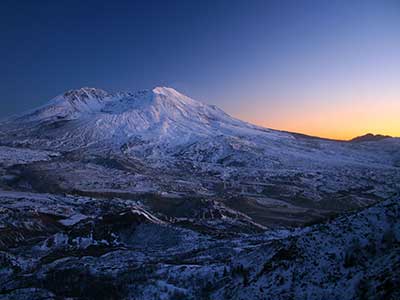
[(342, 121)]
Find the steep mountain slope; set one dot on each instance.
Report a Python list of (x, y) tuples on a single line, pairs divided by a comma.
[(69, 105)]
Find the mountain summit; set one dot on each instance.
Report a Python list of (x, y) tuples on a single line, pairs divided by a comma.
[(77, 103)]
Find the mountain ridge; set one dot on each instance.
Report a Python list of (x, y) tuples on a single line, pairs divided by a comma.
[(370, 137)]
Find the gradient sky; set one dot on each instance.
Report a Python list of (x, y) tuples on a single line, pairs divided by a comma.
[(326, 68)]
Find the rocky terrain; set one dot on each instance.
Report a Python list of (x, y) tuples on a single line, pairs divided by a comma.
[(153, 195)]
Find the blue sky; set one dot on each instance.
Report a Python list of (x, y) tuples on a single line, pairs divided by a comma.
[(281, 64)]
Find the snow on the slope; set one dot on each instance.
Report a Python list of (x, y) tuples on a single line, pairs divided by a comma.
[(326, 261), (73, 219), (67, 105)]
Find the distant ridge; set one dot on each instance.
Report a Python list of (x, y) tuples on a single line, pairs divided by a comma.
[(369, 137)]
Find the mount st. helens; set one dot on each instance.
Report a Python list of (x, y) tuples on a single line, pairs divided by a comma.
[(162, 142), (199, 204)]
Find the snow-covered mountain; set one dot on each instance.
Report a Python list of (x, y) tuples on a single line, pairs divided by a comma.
[(165, 122), (90, 115)]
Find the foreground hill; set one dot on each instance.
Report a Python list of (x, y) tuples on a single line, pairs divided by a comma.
[(53, 247)]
